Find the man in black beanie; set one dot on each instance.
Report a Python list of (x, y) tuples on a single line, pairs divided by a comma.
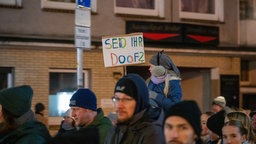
[(137, 122), (182, 123), (215, 124)]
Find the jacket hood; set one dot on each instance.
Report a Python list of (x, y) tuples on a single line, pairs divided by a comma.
[(142, 101), (28, 131), (148, 117), (164, 60)]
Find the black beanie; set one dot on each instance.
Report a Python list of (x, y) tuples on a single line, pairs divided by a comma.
[(17, 100), (188, 110), (39, 107), (134, 86), (126, 86), (216, 122)]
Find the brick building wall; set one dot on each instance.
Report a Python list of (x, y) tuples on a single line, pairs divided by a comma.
[(32, 67)]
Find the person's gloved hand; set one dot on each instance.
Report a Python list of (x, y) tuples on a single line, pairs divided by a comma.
[(152, 94), (152, 99)]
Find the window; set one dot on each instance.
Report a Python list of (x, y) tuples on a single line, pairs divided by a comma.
[(140, 7), (15, 3), (247, 9), (244, 70), (202, 9), (6, 77), (65, 4), (62, 84)]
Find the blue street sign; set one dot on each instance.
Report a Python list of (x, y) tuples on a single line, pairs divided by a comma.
[(84, 3)]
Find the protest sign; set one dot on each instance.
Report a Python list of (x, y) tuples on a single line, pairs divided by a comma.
[(123, 49)]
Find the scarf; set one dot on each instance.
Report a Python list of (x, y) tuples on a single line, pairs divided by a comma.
[(28, 116), (157, 80)]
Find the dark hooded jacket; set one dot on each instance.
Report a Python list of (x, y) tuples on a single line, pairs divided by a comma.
[(32, 132), (83, 136), (145, 127)]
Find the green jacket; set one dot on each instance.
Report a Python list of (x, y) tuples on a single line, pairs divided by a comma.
[(102, 123), (32, 132)]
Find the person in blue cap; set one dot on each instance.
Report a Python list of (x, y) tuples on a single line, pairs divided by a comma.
[(83, 104), (90, 121), (17, 120), (137, 122)]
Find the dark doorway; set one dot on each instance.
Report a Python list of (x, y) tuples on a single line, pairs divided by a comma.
[(141, 70), (6, 77), (229, 88), (249, 101)]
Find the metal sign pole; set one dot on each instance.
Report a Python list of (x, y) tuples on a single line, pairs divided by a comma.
[(82, 35), (80, 68)]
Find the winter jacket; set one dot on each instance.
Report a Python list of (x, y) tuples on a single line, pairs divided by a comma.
[(63, 131), (41, 118), (174, 94), (83, 136), (144, 128), (32, 132), (102, 123)]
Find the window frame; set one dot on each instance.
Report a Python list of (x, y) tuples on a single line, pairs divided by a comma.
[(157, 11), (47, 4), (55, 120), (16, 3), (9, 73), (218, 14)]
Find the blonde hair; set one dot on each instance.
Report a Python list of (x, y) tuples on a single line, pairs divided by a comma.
[(172, 76), (245, 120)]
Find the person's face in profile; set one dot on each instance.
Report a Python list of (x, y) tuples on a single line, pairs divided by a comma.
[(253, 121), (151, 69), (81, 116), (216, 108), (204, 118), (1, 114)]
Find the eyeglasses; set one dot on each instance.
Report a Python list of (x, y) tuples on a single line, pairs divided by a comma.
[(123, 100)]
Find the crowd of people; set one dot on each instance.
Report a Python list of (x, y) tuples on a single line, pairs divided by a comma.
[(146, 112)]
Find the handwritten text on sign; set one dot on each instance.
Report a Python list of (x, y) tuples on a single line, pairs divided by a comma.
[(123, 49)]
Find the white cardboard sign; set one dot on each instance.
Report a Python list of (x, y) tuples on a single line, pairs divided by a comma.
[(123, 49)]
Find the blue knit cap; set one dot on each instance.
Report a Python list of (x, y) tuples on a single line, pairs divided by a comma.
[(84, 98)]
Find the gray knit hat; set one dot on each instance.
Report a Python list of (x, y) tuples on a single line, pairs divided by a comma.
[(159, 71), (164, 60), (220, 101)]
